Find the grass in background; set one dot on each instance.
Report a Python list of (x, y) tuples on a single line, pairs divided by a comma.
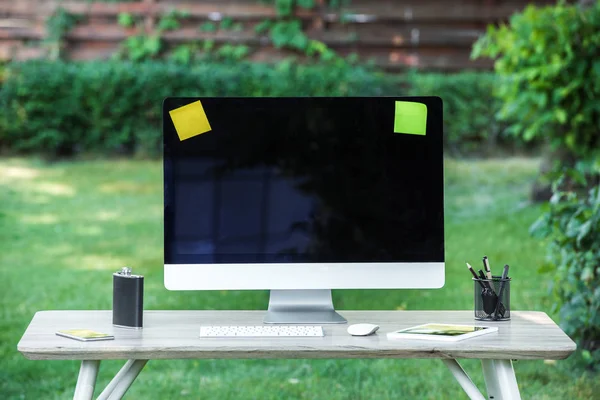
[(65, 227)]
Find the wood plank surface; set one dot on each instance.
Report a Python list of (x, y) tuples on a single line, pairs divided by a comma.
[(395, 34), (396, 37), (357, 10), (175, 335)]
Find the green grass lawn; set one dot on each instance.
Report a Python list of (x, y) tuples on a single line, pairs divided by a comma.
[(65, 227)]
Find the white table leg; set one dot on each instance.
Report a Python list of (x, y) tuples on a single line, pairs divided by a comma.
[(122, 381), (463, 379), (86, 381), (500, 380)]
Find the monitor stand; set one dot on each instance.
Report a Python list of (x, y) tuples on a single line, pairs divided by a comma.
[(310, 306)]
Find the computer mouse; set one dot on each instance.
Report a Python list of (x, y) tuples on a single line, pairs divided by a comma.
[(362, 329)]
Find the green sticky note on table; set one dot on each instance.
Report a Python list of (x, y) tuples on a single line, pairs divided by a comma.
[(410, 118)]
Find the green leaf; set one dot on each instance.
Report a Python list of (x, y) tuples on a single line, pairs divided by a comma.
[(208, 27), (299, 41), (152, 45), (577, 176), (561, 115), (126, 20), (307, 4), (284, 32), (586, 355), (284, 8), (208, 45), (226, 23), (168, 23), (587, 273), (315, 47), (541, 228), (263, 26), (181, 54), (584, 230), (240, 52), (328, 55)]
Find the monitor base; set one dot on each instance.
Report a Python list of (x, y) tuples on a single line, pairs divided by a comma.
[(302, 307)]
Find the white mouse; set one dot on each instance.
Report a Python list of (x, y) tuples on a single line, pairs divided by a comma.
[(362, 329)]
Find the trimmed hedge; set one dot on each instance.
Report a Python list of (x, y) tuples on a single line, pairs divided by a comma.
[(114, 107), (107, 107)]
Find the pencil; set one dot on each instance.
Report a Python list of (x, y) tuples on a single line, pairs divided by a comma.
[(475, 275), (486, 265)]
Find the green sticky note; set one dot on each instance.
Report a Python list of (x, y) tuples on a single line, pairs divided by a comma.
[(410, 118)]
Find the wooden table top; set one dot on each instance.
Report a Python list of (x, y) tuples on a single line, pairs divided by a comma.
[(175, 335)]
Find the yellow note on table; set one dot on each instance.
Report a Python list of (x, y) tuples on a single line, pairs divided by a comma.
[(190, 120)]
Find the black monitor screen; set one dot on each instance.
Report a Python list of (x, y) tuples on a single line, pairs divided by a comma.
[(303, 180)]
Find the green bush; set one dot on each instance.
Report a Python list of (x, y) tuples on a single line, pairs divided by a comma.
[(549, 74), (470, 110), (572, 221), (106, 107), (549, 69), (66, 108)]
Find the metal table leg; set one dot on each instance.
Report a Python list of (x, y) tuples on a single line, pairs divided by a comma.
[(500, 380), (86, 381), (122, 381), (463, 379)]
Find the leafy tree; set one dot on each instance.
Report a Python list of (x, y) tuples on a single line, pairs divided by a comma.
[(548, 65)]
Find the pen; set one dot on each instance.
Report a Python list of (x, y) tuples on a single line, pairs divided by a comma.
[(486, 265), (482, 276), (475, 275), (502, 284)]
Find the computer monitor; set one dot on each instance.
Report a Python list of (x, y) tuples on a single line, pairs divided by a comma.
[(301, 196)]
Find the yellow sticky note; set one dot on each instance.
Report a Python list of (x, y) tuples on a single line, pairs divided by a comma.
[(190, 120)]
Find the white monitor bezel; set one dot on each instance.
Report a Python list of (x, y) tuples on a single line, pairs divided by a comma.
[(402, 275)]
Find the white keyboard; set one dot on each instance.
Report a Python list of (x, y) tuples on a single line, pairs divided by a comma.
[(262, 331)]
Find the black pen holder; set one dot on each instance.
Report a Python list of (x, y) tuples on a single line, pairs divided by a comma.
[(492, 299)]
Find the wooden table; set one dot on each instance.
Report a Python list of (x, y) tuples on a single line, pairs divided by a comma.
[(175, 335)]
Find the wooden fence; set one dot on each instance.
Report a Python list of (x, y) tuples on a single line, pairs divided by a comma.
[(435, 34)]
